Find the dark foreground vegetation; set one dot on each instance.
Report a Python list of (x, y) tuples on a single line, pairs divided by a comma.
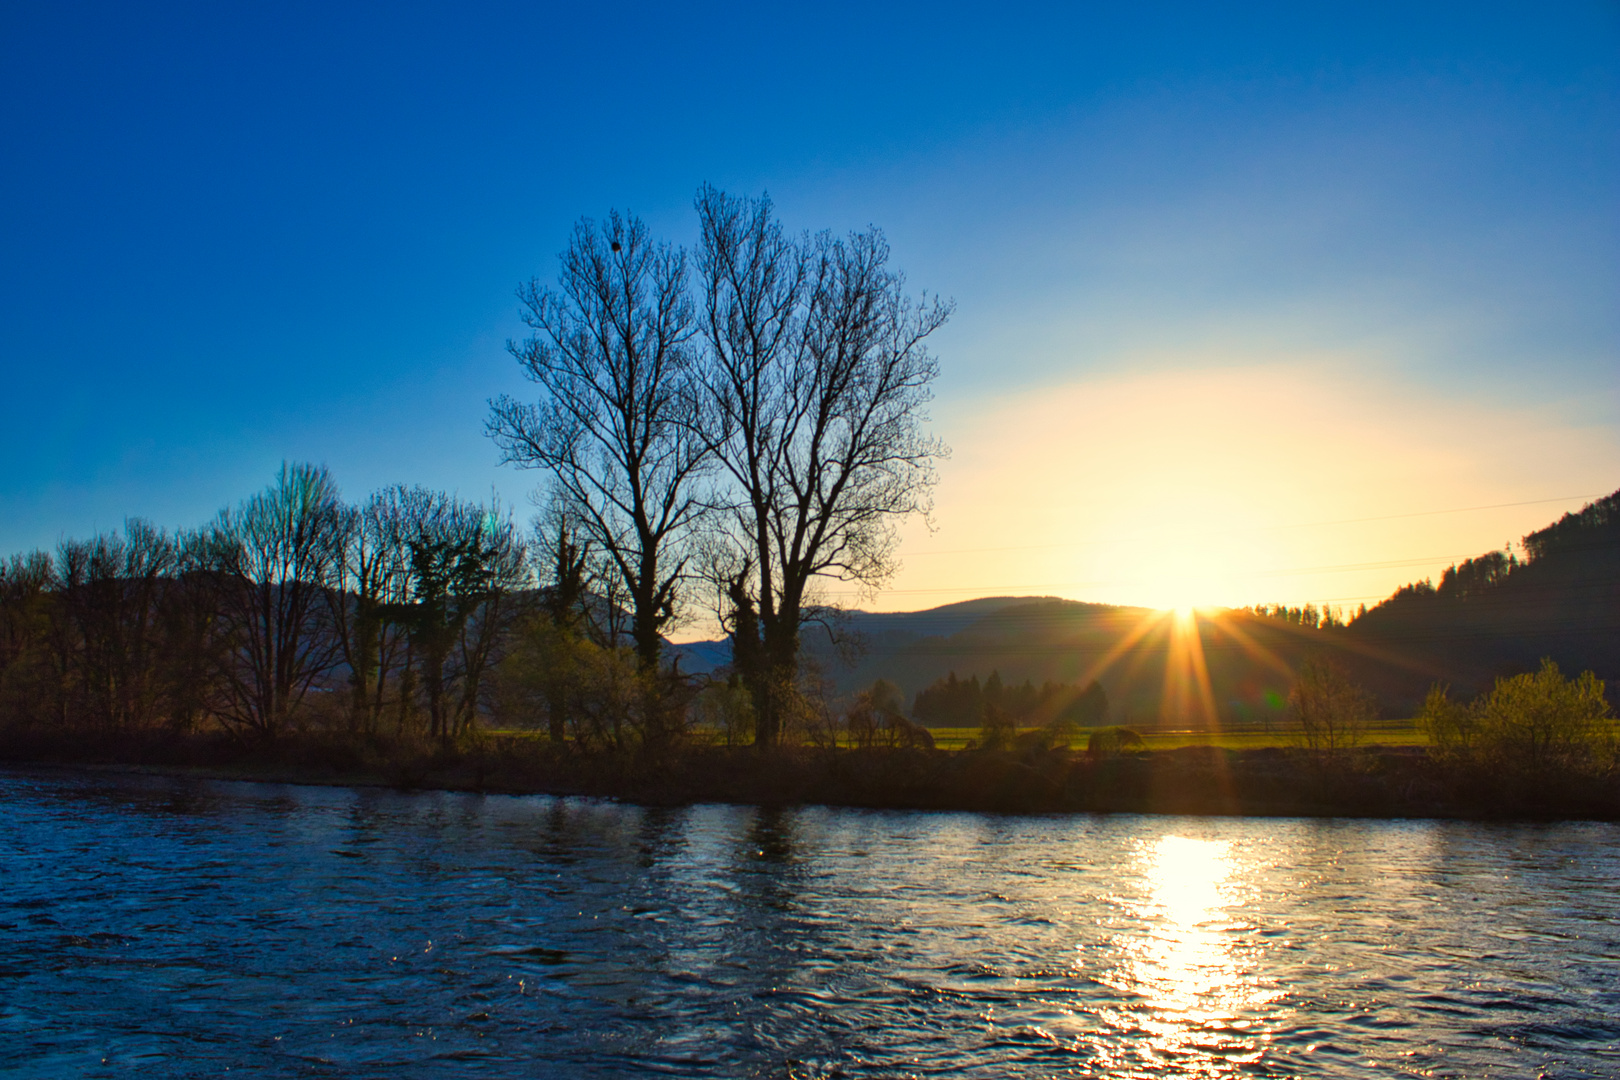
[(1369, 782), (419, 641), (1538, 745)]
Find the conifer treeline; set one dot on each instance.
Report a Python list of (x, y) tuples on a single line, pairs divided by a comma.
[(953, 702)]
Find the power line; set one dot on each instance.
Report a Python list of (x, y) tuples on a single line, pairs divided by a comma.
[(1287, 572), (1264, 528), (1432, 513)]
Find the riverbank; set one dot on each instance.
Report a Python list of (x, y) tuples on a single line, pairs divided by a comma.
[(1369, 782)]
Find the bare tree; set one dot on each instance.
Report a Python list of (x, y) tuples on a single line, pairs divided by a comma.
[(110, 589), (611, 353), (370, 579), (504, 596), (275, 552), (196, 651), (29, 688), (1331, 710), (813, 389), (558, 633)]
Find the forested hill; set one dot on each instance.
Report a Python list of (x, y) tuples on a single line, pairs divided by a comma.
[(1038, 639), (1498, 614), (1249, 659), (1489, 616), (913, 648)]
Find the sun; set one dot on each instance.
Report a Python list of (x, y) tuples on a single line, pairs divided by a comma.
[(1185, 611), (1179, 581)]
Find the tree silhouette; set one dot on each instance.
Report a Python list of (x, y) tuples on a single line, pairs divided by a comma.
[(611, 354), (274, 553), (812, 390)]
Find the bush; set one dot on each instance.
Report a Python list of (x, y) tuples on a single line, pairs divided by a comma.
[(875, 720), (725, 710), (1058, 734), (1542, 718), (998, 730)]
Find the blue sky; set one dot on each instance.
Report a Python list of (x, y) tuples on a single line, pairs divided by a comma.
[(233, 236)]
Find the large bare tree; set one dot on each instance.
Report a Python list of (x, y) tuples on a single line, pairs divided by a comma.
[(275, 553), (813, 388), (612, 355)]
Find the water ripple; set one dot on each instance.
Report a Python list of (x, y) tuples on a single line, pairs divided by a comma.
[(175, 928)]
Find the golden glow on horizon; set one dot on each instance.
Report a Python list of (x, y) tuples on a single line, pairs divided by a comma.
[(1187, 697), (1226, 486)]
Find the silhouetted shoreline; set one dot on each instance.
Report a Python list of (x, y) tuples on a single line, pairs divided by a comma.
[(1368, 782)]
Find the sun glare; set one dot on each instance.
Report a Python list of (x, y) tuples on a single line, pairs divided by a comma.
[(1188, 696), (1188, 969)]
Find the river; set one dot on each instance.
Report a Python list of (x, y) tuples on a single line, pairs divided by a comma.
[(183, 927)]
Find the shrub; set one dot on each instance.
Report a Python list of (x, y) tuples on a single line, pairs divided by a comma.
[(1057, 734), (998, 730), (726, 711), (875, 720), (1542, 718), (1113, 741), (1452, 727)]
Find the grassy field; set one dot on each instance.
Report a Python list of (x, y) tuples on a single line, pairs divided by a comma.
[(1381, 733)]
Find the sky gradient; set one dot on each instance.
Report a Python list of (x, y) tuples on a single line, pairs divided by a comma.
[(1219, 278)]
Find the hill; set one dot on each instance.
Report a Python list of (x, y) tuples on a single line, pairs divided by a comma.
[(1499, 614), (1494, 615), (1147, 662)]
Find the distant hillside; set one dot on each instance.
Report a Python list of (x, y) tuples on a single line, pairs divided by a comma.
[(869, 633), (1035, 639), (1488, 616), (1498, 614), (1249, 660)]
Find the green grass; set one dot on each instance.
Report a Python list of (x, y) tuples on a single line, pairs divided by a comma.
[(1381, 733)]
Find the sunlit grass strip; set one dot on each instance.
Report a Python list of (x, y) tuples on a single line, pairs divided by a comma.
[(1380, 733)]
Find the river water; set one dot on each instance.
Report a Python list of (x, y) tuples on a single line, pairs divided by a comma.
[(188, 928)]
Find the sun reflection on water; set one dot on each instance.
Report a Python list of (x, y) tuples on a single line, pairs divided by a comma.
[(1190, 967), (1185, 961)]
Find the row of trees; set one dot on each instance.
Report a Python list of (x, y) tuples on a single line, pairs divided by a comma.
[(1308, 616), (953, 702), (733, 423), (291, 604), (1469, 579)]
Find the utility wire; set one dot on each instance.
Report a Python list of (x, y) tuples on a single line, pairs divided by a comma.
[(1333, 569), (1265, 528)]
